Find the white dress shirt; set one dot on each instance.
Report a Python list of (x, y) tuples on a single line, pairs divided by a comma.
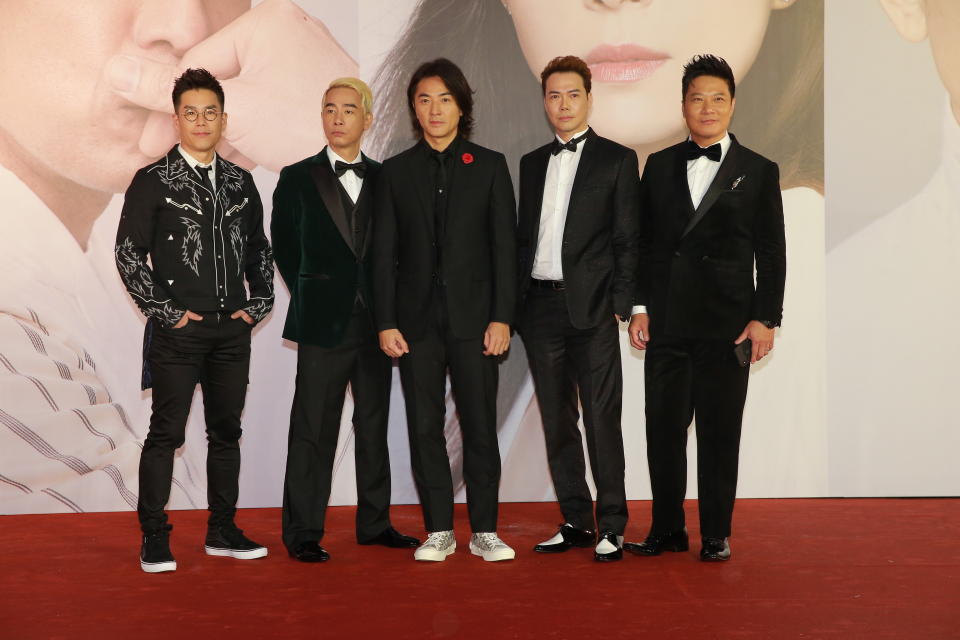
[(700, 174), (350, 180), (196, 165), (561, 171)]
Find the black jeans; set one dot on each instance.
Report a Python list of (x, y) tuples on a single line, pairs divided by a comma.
[(564, 360), (215, 352)]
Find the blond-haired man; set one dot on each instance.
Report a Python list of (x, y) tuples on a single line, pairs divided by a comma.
[(321, 229)]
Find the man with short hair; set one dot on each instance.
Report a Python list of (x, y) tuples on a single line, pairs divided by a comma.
[(578, 256), (198, 219), (445, 291), (322, 216), (711, 211)]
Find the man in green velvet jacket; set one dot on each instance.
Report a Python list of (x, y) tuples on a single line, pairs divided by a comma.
[(322, 218)]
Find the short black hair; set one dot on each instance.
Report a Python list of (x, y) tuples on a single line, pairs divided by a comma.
[(708, 65), (196, 79), (456, 83)]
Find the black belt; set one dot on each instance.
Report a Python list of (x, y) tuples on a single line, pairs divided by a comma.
[(556, 285)]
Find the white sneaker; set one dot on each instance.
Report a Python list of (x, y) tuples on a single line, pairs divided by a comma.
[(491, 547), (438, 546)]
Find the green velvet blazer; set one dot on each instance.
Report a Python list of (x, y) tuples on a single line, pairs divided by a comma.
[(315, 251)]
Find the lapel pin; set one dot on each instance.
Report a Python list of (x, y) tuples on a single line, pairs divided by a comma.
[(737, 181)]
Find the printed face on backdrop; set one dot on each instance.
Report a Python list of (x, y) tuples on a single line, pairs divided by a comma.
[(344, 119), (567, 103), (436, 109), (636, 52), (707, 109), (74, 126), (200, 122)]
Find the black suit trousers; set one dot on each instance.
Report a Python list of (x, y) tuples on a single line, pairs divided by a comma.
[(562, 360), (473, 377), (215, 352), (322, 378), (687, 379)]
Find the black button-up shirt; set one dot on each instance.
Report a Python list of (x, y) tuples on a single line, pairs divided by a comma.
[(202, 245)]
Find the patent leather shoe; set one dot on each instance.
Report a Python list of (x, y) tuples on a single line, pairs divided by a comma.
[(715, 550), (655, 545), (567, 537), (609, 548), (309, 552), (392, 538)]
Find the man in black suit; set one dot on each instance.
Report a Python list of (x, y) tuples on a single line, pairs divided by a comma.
[(445, 293), (321, 224), (577, 239), (710, 210)]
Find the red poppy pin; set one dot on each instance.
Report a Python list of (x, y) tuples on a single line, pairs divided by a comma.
[(467, 158)]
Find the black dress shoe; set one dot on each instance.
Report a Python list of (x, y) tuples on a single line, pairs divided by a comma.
[(309, 552), (715, 550), (609, 556), (571, 537), (390, 537), (655, 545)]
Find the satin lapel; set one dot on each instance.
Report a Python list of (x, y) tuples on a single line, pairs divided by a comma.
[(683, 187), (364, 202), (720, 182), (539, 180), (326, 182), (588, 158)]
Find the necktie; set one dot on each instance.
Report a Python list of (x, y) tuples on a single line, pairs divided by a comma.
[(358, 168), (569, 145), (694, 151), (206, 176)]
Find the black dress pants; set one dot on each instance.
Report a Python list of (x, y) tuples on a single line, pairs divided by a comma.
[(215, 352), (685, 379), (474, 380), (322, 378), (562, 360)]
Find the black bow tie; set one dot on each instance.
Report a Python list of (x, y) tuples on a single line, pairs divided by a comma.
[(569, 145), (694, 151), (359, 168)]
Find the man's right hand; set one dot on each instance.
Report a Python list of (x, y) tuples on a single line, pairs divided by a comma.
[(185, 318), (392, 343), (639, 330)]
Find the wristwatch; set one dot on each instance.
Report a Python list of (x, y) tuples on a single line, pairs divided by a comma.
[(769, 324)]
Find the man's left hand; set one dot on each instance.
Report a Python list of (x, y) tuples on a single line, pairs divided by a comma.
[(242, 314), (760, 336), (496, 339)]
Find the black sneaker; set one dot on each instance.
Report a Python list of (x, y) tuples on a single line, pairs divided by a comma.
[(228, 540), (155, 556)]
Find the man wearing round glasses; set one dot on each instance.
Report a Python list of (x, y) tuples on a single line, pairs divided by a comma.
[(199, 219)]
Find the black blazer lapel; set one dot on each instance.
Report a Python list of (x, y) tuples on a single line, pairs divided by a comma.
[(326, 182), (365, 204), (539, 179), (720, 182)]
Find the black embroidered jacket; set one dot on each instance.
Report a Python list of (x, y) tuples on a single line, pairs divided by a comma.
[(201, 245)]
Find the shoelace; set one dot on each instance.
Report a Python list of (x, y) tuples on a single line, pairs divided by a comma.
[(489, 540), (437, 539)]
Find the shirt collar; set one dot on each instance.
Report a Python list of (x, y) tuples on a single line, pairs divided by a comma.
[(333, 157), (576, 135), (193, 163)]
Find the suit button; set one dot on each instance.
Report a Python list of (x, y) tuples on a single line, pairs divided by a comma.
[(705, 258), (676, 253)]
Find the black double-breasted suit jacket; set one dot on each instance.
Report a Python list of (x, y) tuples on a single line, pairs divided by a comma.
[(474, 262), (696, 269), (321, 249)]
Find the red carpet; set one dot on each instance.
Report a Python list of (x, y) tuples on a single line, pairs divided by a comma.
[(800, 569)]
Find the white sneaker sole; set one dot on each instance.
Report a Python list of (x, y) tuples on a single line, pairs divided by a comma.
[(493, 556), (252, 554), (434, 555), (158, 567)]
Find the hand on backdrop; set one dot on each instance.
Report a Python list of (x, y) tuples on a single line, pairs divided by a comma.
[(274, 62)]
